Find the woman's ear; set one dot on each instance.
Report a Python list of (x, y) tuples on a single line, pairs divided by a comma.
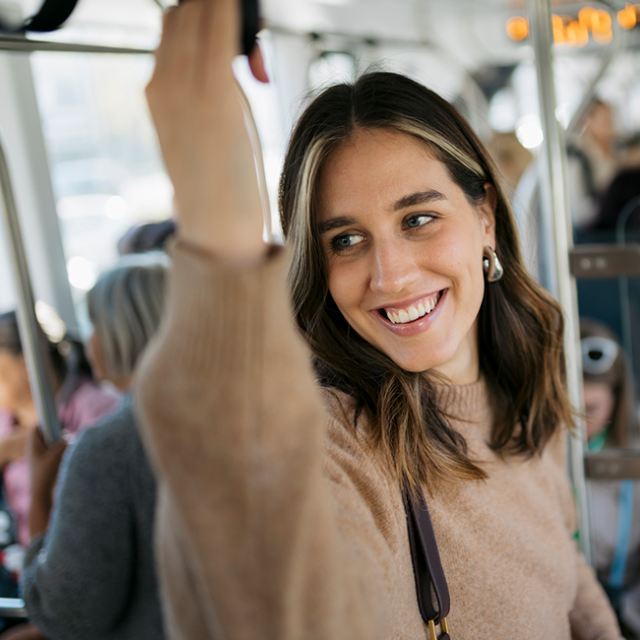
[(256, 64), (488, 213)]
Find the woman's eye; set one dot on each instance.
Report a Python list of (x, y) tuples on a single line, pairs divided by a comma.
[(418, 220), (346, 241)]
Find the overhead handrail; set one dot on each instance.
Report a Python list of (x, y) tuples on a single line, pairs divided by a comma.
[(30, 332), (355, 37), (21, 43)]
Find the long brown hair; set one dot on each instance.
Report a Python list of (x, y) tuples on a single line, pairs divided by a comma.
[(520, 325)]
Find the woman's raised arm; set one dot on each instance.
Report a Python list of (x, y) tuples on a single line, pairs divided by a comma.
[(250, 544), (195, 107)]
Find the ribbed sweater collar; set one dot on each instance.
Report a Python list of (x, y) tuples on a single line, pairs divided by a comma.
[(466, 403), (462, 399)]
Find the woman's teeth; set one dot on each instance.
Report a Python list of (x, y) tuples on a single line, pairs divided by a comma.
[(414, 311)]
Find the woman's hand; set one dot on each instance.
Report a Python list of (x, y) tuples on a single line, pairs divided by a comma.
[(44, 463), (193, 100)]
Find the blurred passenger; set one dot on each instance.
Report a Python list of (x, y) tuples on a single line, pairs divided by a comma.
[(151, 236), (90, 572), (81, 402), (612, 422), (593, 162), (624, 188), (511, 158)]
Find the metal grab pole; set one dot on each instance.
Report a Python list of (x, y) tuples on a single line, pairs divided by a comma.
[(554, 199), (10, 42), (30, 332)]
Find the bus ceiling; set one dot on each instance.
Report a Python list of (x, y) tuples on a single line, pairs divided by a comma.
[(493, 33)]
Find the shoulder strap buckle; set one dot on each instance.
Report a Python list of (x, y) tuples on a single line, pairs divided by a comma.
[(444, 627)]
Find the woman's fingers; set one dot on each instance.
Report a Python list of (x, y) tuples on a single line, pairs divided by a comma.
[(220, 32), (199, 37), (186, 56), (166, 49)]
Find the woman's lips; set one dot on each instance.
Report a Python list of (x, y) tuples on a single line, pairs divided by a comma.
[(414, 327)]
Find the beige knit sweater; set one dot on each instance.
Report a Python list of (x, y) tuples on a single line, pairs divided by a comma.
[(276, 523)]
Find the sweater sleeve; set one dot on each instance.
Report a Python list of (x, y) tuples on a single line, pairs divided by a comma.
[(75, 581), (592, 617), (248, 538)]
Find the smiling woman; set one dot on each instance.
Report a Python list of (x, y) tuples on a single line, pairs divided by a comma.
[(281, 508), (390, 203)]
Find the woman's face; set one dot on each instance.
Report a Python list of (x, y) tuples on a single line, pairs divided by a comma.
[(404, 250), (599, 401), (15, 392)]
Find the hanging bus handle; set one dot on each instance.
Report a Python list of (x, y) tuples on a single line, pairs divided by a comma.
[(36, 356)]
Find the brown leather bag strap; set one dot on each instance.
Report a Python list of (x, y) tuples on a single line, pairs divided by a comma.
[(427, 568)]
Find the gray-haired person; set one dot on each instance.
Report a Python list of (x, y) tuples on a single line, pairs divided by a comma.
[(90, 572)]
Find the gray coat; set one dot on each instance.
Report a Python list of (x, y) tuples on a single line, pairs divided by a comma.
[(93, 574)]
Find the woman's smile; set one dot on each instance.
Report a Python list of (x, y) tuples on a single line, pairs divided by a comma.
[(411, 311), (412, 319), (404, 251)]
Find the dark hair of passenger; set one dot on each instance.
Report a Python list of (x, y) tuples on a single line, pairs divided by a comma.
[(520, 324), (67, 355)]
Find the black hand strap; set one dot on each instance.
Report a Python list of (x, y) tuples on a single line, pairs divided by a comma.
[(51, 16), (427, 568)]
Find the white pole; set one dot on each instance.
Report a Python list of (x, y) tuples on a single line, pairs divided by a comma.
[(554, 202), (30, 333)]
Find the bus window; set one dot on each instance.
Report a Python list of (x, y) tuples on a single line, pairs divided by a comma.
[(106, 168)]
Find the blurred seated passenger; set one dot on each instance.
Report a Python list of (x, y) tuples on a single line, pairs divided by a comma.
[(511, 158), (151, 236), (90, 573), (612, 422), (624, 188), (81, 403), (593, 162)]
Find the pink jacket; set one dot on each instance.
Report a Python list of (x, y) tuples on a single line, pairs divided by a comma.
[(86, 406)]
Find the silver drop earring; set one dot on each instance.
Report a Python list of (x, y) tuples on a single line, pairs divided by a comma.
[(491, 265)]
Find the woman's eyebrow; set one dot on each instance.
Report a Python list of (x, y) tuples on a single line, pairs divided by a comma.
[(420, 197), (335, 223)]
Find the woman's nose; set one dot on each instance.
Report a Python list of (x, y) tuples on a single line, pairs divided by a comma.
[(394, 267)]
